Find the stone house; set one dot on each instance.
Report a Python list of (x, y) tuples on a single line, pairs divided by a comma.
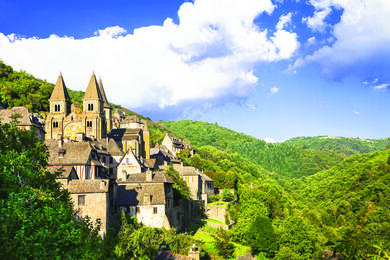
[(200, 185), (26, 121), (91, 198), (149, 196), (162, 155), (176, 145)]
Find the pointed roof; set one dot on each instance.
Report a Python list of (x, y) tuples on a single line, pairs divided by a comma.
[(60, 92), (93, 91), (103, 93)]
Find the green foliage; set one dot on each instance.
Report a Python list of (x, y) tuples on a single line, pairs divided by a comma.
[(22, 89), (76, 96), (341, 145), (224, 246), (180, 188), (284, 159), (262, 237), (141, 242), (37, 219)]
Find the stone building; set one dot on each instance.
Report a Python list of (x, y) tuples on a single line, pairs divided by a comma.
[(149, 196), (200, 185), (67, 120), (162, 155), (176, 145), (26, 121)]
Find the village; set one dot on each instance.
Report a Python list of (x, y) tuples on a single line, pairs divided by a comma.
[(107, 164)]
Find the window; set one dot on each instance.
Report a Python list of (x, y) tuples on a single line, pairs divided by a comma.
[(81, 200), (90, 107), (57, 108), (154, 210), (111, 160), (138, 210), (104, 159), (55, 124), (89, 123)]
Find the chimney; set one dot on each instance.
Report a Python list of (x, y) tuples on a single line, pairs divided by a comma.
[(194, 252), (147, 199), (149, 176)]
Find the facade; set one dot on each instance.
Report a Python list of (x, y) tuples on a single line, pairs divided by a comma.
[(176, 145), (149, 196), (67, 120), (26, 120)]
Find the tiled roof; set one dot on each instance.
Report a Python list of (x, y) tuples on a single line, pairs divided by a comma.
[(157, 177), (150, 163), (88, 186), (205, 177), (186, 170), (60, 92), (113, 148), (65, 174), (93, 91)]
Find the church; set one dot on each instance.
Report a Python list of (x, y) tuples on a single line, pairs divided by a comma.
[(66, 119)]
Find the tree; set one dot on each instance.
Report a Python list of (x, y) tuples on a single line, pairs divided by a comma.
[(224, 246), (262, 237), (36, 216)]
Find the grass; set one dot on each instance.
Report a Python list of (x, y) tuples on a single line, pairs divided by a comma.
[(213, 221), (222, 204)]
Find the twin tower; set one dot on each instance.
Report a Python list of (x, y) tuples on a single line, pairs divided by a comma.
[(70, 121)]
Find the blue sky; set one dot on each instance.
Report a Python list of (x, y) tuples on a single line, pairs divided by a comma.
[(271, 69)]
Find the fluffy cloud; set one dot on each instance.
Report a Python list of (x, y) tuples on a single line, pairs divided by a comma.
[(284, 20), (210, 54), (316, 22), (362, 40), (274, 90)]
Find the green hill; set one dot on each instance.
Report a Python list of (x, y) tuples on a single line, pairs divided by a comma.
[(350, 203), (284, 159), (341, 145)]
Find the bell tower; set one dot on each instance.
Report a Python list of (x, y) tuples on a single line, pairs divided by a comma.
[(107, 107), (94, 121), (60, 107)]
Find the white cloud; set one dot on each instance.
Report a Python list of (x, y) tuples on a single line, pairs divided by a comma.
[(311, 40), (361, 40), (209, 54), (381, 86), (284, 20), (316, 22), (111, 32), (252, 106), (274, 90), (269, 140)]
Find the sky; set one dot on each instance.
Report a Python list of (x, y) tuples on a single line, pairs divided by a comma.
[(273, 69)]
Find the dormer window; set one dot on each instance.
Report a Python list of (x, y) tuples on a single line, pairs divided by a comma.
[(57, 108), (90, 107)]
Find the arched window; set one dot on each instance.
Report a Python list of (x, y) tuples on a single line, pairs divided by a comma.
[(89, 123), (90, 107)]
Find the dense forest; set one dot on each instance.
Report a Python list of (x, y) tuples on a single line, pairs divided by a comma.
[(306, 198)]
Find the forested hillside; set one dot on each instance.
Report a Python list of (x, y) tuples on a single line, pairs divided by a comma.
[(341, 145), (350, 203), (284, 159)]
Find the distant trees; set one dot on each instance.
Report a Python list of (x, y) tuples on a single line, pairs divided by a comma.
[(262, 237)]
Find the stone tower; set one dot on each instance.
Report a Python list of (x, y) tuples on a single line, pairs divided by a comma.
[(107, 107), (94, 119), (60, 107), (146, 138)]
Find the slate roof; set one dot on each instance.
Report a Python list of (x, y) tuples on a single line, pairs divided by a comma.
[(150, 163), (114, 148), (88, 186), (205, 177), (93, 91), (60, 92), (124, 133), (163, 149), (186, 170), (132, 194), (65, 174), (106, 105), (26, 119), (75, 152), (157, 177)]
